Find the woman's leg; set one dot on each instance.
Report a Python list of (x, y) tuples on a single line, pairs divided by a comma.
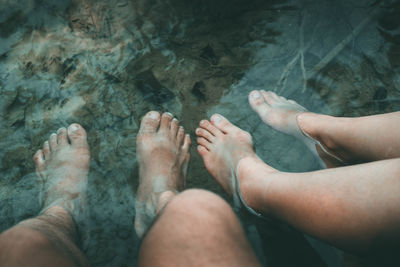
[(352, 140), (360, 139), (354, 207)]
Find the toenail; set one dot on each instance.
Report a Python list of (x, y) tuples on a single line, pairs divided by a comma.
[(217, 119), (256, 95), (153, 115), (169, 114), (197, 130), (73, 127), (203, 123), (175, 120), (61, 129)]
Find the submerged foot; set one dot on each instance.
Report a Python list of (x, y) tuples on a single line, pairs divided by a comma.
[(222, 147), (163, 156), (285, 116), (277, 111), (62, 167)]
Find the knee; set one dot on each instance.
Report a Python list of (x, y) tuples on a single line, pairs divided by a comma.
[(199, 203), (20, 240)]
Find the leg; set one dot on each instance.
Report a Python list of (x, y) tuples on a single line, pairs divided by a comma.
[(361, 139), (355, 208), (197, 228), (51, 239), (193, 228), (47, 240), (353, 140), (163, 156)]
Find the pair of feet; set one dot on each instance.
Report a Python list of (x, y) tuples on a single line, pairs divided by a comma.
[(163, 155)]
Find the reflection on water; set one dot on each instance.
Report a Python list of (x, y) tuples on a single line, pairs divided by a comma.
[(104, 64)]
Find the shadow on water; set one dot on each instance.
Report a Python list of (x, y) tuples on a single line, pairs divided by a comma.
[(104, 64)]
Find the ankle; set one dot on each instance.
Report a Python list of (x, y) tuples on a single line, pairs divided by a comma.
[(254, 177), (317, 126), (308, 123), (54, 220)]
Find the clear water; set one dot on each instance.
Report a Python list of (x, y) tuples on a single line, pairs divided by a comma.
[(104, 64)]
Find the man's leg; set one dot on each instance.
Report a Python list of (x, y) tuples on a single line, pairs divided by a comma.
[(196, 228), (355, 207), (51, 239), (354, 140), (193, 228)]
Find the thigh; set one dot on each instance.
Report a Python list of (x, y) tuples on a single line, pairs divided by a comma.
[(197, 228), (21, 246)]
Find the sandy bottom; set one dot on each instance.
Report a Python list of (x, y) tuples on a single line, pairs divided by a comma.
[(104, 64)]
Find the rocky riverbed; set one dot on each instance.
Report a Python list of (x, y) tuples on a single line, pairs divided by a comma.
[(104, 64)]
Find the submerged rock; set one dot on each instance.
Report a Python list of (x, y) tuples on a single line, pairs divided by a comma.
[(151, 88)]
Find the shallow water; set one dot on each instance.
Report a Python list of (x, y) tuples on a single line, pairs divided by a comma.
[(104, 64)]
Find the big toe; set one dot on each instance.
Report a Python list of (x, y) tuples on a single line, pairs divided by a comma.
[(150, 122), (222, 123), (258, 104), (77, 136)]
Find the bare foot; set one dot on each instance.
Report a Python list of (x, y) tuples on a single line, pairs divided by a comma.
[(62, 166), (223, 147), (277, 111), (285, 116), (163, 155)]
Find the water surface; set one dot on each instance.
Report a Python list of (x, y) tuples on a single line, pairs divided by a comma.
[(104, 64)]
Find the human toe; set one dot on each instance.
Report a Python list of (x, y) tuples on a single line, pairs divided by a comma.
[(166, 119), (39, 160), (255, 98), (208, 126), (186, 143), (205, 134), (275, 96), (174, 127), (62, 136), (269, 97), (259, 104), (222, 123), (150, 122), (53, 142), (46, 150), (77, 135), (180, 137), (204, 142)]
